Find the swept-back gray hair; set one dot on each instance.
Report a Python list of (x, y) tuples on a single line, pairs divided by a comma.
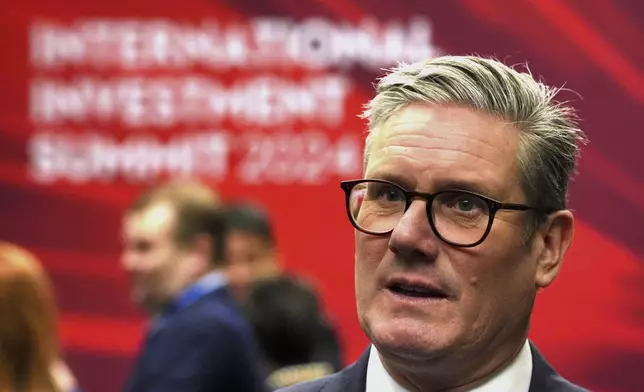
[(550, 138)]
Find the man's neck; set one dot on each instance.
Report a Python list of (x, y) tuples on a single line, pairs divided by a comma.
[(457, 374)]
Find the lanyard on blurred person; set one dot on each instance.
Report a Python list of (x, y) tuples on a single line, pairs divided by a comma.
[(191, 294)]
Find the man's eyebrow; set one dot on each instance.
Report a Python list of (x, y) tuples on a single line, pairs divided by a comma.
[(409, 183), (464, 185), (396, 178)]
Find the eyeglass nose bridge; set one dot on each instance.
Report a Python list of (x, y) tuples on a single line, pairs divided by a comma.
[(411, 196), (427, 197)]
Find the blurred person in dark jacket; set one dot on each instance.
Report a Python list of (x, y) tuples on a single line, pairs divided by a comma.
[(198, 340), (286, 317), (30, 359), (252, 255)]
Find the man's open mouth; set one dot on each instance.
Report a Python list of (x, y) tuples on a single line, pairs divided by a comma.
[(416, 290)]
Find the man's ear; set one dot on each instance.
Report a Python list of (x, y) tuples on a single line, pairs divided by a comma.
[(555, 237)]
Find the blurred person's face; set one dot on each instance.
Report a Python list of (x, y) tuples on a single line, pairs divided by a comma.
[(482, 296), (249, 258), (157, 266)]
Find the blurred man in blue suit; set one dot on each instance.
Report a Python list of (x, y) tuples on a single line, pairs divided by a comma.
[(198, 340)]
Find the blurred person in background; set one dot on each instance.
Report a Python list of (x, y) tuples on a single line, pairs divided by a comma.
[(285, 314), (252, 255), (30, 359), (459, 221), (199, 340), (251, 248)]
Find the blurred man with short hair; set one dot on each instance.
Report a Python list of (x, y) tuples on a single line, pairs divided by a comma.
[(253, 255), (174, 252), (251, 247)]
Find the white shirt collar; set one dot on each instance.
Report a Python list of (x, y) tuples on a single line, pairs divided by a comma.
[(515, 377)]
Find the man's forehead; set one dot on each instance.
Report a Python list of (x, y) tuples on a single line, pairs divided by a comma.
[(156, 218), (446, 121), (451, 143), (430, 125)]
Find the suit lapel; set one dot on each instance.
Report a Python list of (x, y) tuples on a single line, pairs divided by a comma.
[(544, 377)]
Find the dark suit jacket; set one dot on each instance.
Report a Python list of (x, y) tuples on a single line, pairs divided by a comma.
[(205, 347), (353, 378)]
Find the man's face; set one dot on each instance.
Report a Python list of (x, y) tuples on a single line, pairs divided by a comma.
[(250, 257), (489, 288), (151, 257)]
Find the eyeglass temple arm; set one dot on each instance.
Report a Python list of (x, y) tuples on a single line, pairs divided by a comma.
[(516, 207)]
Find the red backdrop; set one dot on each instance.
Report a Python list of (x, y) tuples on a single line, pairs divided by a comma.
[(259, 98)]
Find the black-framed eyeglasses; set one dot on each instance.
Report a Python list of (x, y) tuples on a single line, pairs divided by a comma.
[(458, 217)]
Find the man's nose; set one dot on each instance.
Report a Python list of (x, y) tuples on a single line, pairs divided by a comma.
[(413, 237)]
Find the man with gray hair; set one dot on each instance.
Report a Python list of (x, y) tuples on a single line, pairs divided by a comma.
[(460, 219)]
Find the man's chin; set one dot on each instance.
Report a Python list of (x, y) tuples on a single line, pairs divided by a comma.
[(411, 341), (143, 302)]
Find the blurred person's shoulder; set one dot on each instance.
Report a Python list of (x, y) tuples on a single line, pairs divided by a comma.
[(216, 310), (297, 374), (315, 385), (351, 378)]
